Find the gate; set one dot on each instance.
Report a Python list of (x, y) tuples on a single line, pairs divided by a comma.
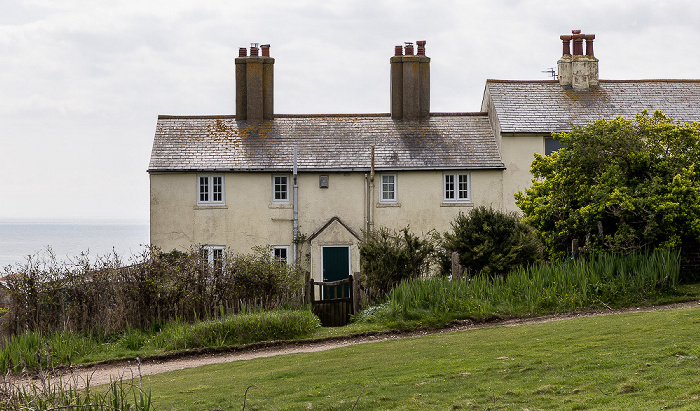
[(339, 301)]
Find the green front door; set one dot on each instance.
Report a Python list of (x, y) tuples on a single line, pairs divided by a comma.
[(336, 266)]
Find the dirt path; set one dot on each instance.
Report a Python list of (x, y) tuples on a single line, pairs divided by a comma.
[(102, 373)]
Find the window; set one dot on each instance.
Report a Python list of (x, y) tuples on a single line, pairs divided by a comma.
[(456, 188), (210, 190), (388, 189), (281, 253), (551, 145), (213, 257), (280, 189)]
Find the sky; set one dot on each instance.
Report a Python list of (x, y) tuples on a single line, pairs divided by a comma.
[(82, 82)]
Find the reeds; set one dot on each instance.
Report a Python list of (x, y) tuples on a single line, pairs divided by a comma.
[(604, 281)]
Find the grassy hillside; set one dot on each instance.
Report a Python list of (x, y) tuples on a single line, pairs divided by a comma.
[(626, 361)]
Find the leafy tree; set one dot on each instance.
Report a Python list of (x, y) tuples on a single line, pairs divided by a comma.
[(388, 257), (491, 242), (618, 185)]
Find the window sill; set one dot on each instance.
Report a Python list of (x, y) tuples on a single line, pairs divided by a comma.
[(211, 207), (382, 205), (456, 204), (280, 205)]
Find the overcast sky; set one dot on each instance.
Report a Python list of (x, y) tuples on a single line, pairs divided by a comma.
[(83, 81)]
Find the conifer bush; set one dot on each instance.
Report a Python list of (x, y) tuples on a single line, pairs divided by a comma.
[(388, 257), (490, 242)]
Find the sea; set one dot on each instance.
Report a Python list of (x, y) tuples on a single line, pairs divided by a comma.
[(68, 239)]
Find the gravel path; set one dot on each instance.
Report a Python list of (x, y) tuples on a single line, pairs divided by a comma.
[(102, 373)]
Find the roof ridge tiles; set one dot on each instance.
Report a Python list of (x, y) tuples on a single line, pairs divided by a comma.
[(233, 117), (602, 81)]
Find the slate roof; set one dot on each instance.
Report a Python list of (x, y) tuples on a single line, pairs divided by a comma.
[(325, 142), (544, 106)]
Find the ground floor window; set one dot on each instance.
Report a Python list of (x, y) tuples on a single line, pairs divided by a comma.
[(281, 253), (213, 256)]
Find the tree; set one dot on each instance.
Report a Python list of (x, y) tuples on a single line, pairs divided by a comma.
[(618, 185), (491, 242)]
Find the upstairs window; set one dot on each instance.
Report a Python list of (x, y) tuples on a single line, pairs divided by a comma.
[(280, 189), (456, 188), (551, 145), (389, 192), (210, 190)]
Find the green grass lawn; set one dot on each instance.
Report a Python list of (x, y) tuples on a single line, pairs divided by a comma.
[(626, 361)]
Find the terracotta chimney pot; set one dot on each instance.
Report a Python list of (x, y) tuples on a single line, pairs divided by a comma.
[(578, 44), (589, 44), (421, 47), (566, 43)]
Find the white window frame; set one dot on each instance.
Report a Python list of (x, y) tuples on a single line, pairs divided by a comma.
[(457, 194), (274, 256), (206, 192), (210, 252), (287, 193), (394, 193)]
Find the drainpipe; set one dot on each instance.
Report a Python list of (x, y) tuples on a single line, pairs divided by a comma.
[(366, 201), (370, 214), (295, 231)]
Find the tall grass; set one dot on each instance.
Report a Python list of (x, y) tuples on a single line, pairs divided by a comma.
[(48, 395), (604, 281), (238, 329), (37, 350)]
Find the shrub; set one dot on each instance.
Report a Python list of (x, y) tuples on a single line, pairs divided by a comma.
[(105, 297), (491, 242), (389, 257)]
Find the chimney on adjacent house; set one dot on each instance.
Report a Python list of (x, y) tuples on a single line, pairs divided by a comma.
[(254, 84), (410, 83), (578, 71)]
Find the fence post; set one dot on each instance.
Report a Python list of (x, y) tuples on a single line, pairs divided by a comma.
[(355, 286), (311, 290), (457, 270)]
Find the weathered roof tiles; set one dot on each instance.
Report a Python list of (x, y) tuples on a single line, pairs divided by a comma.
[(332, 142), (544, 106)]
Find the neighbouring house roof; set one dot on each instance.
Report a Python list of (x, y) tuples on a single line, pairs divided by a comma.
[(324, 143), (545, 106)]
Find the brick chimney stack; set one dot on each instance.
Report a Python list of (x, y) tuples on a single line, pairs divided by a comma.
[(410, 83), (254, 84), (578, 71)]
